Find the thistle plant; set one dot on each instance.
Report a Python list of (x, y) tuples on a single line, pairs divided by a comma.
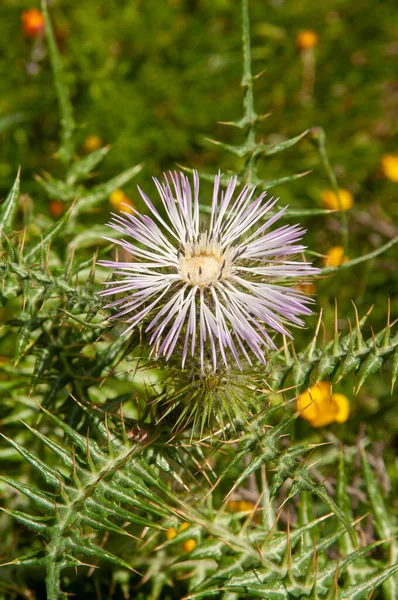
[(219, 275), (153, 443)]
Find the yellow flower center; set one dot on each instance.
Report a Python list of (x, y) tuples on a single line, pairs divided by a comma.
[(203, 262)]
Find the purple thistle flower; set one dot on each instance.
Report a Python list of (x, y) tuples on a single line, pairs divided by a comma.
[(217, 288)]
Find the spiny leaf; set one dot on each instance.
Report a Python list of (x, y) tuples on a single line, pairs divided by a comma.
[(37, 524), (51, 233), (66, 150), (104, 190), (83, 167), (8, 207), (361, 590), (268, 150), (383, 523)]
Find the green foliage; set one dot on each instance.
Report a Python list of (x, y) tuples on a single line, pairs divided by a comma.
[(125, 488)]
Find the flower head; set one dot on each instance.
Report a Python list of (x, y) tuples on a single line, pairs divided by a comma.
[(389, 166), (219, 287), (320, 407), (307, 38), (120, 201), (335, 257), (343, 201), (32, 22), (56, 208), (92, 143)]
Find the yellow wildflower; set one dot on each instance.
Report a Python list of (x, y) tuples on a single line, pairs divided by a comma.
[(183, 526), (91, 143), (331, 201), (120, 201), (233, 506), (171, 533), (306, 39), (320, 407), (239, 505), (335, 256), (189, 545), (32, 22), (389, 166), (307, 287)]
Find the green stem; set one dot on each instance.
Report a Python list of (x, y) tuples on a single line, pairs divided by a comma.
[(357, 261), (248, 98), (319, 138)]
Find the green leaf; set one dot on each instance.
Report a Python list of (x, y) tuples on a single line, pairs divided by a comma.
[(268, 150), (37, 524), (383, 523), (83, 167), (271, 183), (361, 590), (51, 233), (103, 191), (68, 125), (8, 207)]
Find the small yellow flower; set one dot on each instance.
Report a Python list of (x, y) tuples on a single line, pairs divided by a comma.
[(233, 506), (320, 407), (239, 505), (335, 257), (56, 208), (246, 505), (308, 288), (32, 22), (331, 201), (120, 201), (306, 39), (91, 143), (183, 526), (171, 533), (189, 545), (389, 166)]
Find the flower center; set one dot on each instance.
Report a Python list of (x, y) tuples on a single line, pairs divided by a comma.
[(203, 262)]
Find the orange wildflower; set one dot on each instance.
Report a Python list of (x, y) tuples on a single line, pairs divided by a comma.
[(308, 288), (56, 208), (91, 143), (171, 533), (306, 39), (32, 22), (120, 201), (331, 201), (389, 166), (189, 545), (320, 407), (335, 257)]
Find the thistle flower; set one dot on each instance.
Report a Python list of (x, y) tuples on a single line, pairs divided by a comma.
[(217, 287)]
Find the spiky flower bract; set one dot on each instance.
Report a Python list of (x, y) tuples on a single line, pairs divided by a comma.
[(218, 286)]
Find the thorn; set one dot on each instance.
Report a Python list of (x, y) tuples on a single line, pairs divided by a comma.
[(360, 342)]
